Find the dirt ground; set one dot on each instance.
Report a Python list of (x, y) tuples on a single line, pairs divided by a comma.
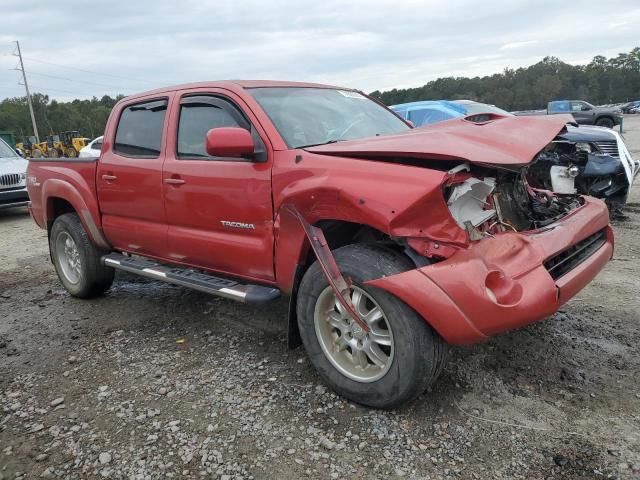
[(154, 381)]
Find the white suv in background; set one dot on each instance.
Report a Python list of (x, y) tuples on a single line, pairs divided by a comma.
[(92, 149), (13, 178)]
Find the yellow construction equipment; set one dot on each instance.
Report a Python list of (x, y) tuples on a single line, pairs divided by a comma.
[(55, 148), (32, 149), (72, 143)]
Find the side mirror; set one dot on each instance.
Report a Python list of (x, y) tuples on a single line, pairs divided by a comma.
[(232, 142)]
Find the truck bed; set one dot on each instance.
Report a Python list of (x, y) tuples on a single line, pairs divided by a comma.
[(73, 179)]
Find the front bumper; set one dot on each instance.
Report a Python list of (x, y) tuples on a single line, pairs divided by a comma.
[(501, 283), (14, 197)]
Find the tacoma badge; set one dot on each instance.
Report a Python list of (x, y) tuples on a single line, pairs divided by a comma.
[(227, 223)]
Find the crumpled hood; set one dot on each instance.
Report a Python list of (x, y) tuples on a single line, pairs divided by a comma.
[(501, 141)]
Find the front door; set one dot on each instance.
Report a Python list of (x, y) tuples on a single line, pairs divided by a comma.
[(219, 210), (129, 180), (582, 112)]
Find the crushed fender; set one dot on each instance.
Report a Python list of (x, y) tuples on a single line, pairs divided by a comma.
[(329, 266)]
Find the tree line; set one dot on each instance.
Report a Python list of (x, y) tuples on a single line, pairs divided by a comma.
[(52, 117), (603, 80)]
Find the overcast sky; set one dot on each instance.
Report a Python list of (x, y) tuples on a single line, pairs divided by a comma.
[(135, 45)]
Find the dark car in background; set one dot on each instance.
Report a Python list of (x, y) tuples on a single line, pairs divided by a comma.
[(583, 112), (591, 160), (631, 107)]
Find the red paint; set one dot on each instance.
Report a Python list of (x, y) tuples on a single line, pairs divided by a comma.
[(175, 209), (229, 142), (503, 141), (452, 296)]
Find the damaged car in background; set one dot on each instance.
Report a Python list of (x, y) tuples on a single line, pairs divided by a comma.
[(390, 241), (582, 159), (591, 160)]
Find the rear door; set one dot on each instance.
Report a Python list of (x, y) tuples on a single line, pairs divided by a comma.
[(129, 179), (219, 210)]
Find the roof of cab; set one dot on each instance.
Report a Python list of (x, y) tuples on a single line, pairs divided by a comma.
[(234, 85)]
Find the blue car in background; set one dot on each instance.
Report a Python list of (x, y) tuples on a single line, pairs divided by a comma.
[(429, 111), (433, 111), (585, 159)]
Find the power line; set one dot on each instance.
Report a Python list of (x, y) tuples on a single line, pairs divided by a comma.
[(77, 81), (86, 71), (50, 88)]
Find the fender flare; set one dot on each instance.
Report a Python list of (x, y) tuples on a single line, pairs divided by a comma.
[(89, 214)]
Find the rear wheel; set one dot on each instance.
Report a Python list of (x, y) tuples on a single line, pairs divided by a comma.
[(72, 152), (605, 122), (53, 153), (76, 259), (391, 364)]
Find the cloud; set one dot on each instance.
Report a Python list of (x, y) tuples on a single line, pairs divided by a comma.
[(512, 45), (377, 44)]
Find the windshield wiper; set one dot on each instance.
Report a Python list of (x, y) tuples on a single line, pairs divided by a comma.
[(318, 144)]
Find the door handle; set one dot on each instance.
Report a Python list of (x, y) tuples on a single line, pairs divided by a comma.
[(174, 181), (109, 178)]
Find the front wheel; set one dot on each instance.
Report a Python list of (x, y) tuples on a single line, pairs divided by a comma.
[(605, 122), (391, 364), (76, 259)]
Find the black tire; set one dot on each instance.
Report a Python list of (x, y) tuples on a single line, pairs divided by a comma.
[(94, 278), (605, 122), (420, 353)]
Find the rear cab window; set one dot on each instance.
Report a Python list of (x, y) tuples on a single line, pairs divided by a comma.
[(139, 132)]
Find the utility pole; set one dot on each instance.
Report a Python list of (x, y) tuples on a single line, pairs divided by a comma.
[(26, 87)]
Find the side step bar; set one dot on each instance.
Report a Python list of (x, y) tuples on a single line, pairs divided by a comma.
[(186, 277)]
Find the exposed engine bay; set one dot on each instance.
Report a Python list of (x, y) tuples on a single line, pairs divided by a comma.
[(502, 200)]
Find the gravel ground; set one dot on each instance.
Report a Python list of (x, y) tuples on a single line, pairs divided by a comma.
[(154, 381)]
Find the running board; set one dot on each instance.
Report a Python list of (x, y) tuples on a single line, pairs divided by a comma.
[(186, 277)]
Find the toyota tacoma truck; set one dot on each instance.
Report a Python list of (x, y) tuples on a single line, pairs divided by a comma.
[(391, 242)]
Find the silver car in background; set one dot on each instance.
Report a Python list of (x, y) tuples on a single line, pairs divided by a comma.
[(13, 178)]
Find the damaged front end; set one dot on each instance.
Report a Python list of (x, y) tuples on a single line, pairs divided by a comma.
[(530, 250), (485, 202), (586, 160)]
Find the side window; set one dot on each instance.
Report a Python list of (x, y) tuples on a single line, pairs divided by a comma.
[(139, 132), (576, 107), (199, 114), (559, 106), (97, 145)]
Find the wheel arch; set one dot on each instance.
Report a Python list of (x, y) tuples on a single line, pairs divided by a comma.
[(337, 233), (60, 197)]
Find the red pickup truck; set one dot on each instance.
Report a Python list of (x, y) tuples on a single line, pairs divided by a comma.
[(390, 241)]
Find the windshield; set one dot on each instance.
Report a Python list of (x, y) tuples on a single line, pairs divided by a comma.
[(314, 116), (6, 151)]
